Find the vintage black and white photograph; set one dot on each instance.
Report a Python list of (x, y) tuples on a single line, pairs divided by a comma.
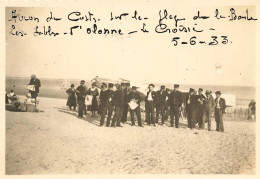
[(138, 87)]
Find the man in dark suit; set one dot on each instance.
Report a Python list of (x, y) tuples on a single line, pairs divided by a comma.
[(167, 104), (219, 111), (175, 100), (209, 105), (106, 96), (161, 104), (135, 97), (191, 108), (81, 95), (37, 84), (126, 91), (200, 101), (151, 99), (119, 105)]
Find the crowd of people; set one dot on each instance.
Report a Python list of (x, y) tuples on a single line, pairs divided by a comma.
[(199, 107)]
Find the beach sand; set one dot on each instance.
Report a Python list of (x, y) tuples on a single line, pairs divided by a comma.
[(57, 142)]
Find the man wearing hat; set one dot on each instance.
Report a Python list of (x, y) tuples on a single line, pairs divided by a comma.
[(219, 111), (37, 84), (106, 102), (200, 101), (135, 97), (119, 105), (127, 91), (209, 106), (191, 108), (161, 104), (150, 99), (167, 109), (175, 100), (81, 95), (110, 106)]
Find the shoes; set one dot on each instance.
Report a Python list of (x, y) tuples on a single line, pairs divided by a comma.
[(141, 126), (119, 126), (132, 124)]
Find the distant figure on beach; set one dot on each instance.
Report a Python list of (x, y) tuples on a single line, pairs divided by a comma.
[(119, 106), (81, 95), (72, 97), (161, 107), (251, 110), (191, 108), (93, 91), (175, 105), (220, 108), (6, 98), (150, 99), (106, 103), (209, 106), (37, 84), (167, 104), (135, 98), (126, 91), (200, 101)]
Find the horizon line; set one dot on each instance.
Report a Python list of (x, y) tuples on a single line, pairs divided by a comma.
[(144, 82)]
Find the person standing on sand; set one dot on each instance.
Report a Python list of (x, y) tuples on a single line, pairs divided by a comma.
[(93, 91), (37, 84), (106, 97), (219, 111), (209, 105), (161, 104), (175, 105), (81, 95), (251, 110), (127, 91), (119, 105), (167, 104), (150, 99), (200, 99), (72, 97), (135, 97), (191, 108)]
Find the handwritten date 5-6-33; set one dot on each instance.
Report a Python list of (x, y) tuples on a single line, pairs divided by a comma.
[(215, 40)]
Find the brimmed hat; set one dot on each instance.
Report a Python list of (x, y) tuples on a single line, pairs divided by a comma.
[(134, 87), (162, 87), (200, 89), (103, 84), (72, 85), (110, 85), (207, 92), (151, 85), (217, 92), (176, 85), (82, 81), (191, 90)]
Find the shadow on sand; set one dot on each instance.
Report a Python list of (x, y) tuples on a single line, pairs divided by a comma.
[(88, 118)]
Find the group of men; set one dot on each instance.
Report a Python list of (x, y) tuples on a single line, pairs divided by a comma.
[(199, 107)]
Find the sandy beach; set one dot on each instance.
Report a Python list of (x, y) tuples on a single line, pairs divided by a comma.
[(57, 142)]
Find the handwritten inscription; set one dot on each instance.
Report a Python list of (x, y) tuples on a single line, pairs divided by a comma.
[(89, 23)]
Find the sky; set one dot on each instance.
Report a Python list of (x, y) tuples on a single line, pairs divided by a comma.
[(140, 57)]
